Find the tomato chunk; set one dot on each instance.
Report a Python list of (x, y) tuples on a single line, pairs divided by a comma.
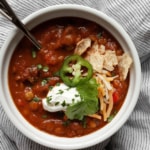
[(115, 97)]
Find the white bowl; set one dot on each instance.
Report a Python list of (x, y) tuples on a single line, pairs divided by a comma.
[(100, 135)]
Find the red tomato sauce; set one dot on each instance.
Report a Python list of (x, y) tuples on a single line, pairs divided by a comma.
[(32, 73)]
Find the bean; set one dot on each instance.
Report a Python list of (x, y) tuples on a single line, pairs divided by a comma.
[(25, 112), (92, 124), (71, 133), (29, 95), (49, 126), (79, 132), (59, 131), (117, 84), (75, 126), (33, 106)]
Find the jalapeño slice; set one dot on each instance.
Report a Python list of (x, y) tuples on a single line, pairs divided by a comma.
[(75, 70)]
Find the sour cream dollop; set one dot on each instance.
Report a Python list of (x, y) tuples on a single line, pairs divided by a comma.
[(60, 97)]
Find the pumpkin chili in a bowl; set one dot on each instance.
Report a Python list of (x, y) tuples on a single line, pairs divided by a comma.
[(76, 83)]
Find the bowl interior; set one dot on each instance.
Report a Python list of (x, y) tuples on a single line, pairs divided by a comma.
[(71, 11)]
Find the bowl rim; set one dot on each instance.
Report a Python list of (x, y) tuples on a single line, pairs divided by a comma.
[(84, 141)]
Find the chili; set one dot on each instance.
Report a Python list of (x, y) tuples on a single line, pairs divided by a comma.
[(32, 75)]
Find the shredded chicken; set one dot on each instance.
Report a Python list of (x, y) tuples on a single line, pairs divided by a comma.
[(105, 72), (105, 91), (109, 79), (107, 84)]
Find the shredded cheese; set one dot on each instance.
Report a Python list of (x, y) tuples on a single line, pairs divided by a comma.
[(110, 106), (95, 116)]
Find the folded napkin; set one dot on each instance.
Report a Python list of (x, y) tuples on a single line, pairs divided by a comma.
[(134, 16)]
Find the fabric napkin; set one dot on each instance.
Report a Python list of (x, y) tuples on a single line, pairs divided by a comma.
[(134, 16)]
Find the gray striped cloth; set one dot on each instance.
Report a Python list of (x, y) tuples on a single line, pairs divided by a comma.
[(134, 16)]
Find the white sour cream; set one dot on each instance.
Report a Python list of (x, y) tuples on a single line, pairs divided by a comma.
[(60, 97)]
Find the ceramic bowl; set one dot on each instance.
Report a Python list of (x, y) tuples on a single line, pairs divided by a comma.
[(130, 101)]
